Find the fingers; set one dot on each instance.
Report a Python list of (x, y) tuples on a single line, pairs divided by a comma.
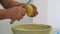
[(19, 16), (21, 8), (34, 7), (16, 13), (22, 4), (23, 12), (35, 12)]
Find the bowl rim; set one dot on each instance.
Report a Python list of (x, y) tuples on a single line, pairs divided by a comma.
[(31, 30)]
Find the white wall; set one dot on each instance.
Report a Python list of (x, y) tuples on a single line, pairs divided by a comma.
[(41, 18), (54, 13), (49, 13), (51, 16)]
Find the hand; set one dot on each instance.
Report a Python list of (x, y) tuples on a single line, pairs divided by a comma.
[(35, 12), (19, 12), (16, 13)]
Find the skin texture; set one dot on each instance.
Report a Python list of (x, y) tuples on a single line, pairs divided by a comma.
[(14, 10), (15, 13)]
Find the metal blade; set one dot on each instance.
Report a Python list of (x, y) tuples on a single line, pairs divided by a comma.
[(28, 2)]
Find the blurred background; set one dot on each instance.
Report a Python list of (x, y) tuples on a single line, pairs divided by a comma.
[(49, 13)]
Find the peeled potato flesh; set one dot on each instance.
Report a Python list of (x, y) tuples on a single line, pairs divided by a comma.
[(29, 10)]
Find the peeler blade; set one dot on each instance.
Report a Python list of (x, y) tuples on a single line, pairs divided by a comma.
[(28, 2)]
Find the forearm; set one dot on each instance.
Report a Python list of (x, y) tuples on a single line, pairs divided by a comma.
[(6, 3), (14, 4), (8, 13), (9, 3), (3, 14)]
